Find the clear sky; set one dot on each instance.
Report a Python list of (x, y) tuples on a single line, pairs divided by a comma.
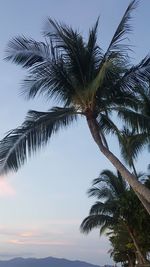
[(42, 206)]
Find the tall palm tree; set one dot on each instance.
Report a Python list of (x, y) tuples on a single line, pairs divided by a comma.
[(85, 81), (116, 210)]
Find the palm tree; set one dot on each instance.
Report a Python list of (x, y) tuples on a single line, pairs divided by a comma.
[(131, 144), (85, 81), (116, 210)]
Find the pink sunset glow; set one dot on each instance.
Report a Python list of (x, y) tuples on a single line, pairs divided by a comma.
[(6, 189)]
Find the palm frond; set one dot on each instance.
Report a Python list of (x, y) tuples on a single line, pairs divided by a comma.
[(50, 79), (134, 119), (107, 125), (122, 30), (100, 192), (107, 186), (35, 132), (115, 60), (135, 77), (106, 208), (95, 221), (94, 52), (104, 228), (131, 144), (116, 183), (72, 47), (27, 52)]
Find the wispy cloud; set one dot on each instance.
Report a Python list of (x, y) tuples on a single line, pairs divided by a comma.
[(39, 242), (6, 189), (27, 234), (37, 237), (30, 232)]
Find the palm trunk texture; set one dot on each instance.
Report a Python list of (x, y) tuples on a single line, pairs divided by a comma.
[(130, 178)]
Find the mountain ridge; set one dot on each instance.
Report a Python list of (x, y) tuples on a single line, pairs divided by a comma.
[(44, 262)]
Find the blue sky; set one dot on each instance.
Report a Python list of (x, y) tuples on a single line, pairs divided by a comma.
[(43, 205)]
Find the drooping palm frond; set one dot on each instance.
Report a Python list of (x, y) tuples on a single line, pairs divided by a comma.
[(96, 221), (32, 135), (108, 207), (27, 52)]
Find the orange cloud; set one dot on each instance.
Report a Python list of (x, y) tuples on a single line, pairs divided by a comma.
[(6, 189)]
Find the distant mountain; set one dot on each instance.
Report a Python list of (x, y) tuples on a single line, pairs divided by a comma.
[(45, 262)]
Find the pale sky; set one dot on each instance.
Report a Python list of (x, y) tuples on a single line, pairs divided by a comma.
[(42, 206)]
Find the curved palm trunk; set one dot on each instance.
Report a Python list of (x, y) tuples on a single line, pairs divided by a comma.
[(145, 203), (130, 178), (140, 257)]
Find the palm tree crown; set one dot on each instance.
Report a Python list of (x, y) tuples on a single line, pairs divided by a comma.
[(109, 189)]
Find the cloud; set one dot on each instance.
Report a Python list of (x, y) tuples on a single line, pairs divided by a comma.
[(39, 242), (36, 237), (6, 190), (27, 234)]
